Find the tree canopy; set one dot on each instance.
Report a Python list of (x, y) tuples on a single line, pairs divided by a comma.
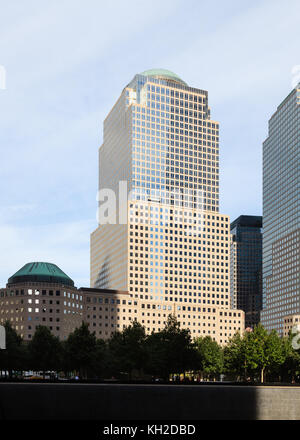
[(170, 350), (80, 350), (131, 353), (44, 351), (210, 357)]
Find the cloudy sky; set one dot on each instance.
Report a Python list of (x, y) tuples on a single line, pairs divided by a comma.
[(66, 62)]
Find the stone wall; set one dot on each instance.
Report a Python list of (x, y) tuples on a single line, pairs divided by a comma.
[(147, 402)]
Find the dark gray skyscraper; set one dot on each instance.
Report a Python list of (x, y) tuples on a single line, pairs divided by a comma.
[(246, 267), (281, 214)]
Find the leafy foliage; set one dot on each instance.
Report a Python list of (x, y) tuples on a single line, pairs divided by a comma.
[(80, 351), (44, 350), (127, 349), (254, 355), (14, 356), (170, 350), (210, 357)]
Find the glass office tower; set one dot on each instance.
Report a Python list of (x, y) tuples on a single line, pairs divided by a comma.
[(281, 214), (171, 248), (246, 267)]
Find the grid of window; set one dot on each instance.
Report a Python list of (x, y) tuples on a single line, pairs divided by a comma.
[(246, 267), (159, 137), (29, 305), (281, 206), (175, 147)]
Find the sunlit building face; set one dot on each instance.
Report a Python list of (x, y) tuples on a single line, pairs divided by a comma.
[(173, 251)]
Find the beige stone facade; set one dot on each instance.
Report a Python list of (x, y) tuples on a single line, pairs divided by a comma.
[(29, 304), (62, 309), (172, 254), (108, 312), (291, 323)]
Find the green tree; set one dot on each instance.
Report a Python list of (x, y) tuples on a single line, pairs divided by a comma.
[(127, 349), (14, 356), (80, 351), (291, 365), (45, 351), (254, 353), (274, 352), (100, 366), (267, 350), (235, 361), (210, 356), (170, 350), (240, 356)]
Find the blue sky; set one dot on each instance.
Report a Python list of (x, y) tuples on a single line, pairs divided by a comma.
[(66, 63)]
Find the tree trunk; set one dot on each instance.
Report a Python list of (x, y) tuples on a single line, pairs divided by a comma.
[(262, 375)]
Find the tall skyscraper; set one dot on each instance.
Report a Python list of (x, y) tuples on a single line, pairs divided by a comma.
[(281, 214), (168, 245), (246, 267)]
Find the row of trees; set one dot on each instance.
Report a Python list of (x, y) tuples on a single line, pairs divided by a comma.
[(256, 355)]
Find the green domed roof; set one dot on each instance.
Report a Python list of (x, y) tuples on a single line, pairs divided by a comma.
[(41, 272), (163, 74)]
